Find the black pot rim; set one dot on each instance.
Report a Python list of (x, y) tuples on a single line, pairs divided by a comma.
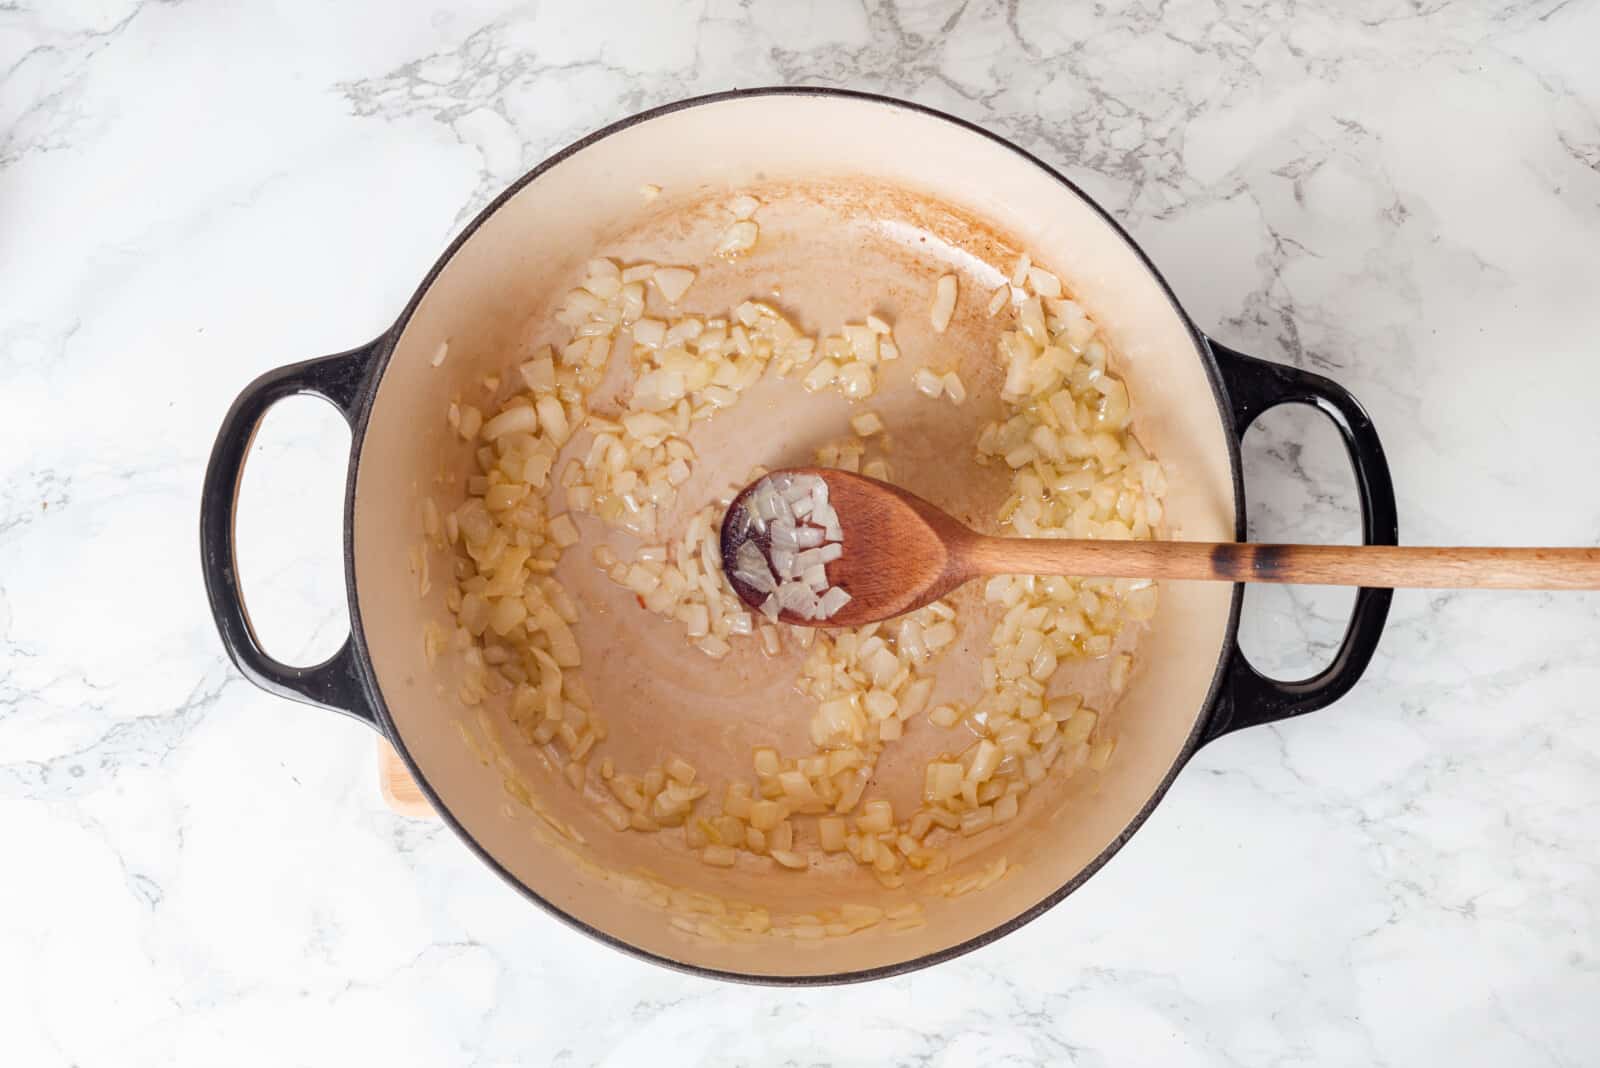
[(364, 404)]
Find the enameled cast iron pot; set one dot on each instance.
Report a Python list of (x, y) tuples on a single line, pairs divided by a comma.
[(899, 194)]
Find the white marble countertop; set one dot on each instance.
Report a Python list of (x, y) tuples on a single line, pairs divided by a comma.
[(199, 874)]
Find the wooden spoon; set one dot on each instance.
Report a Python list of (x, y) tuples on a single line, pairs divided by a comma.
[(900, 552)]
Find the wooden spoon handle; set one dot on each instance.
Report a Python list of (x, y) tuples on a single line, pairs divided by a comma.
[(1401, 566)]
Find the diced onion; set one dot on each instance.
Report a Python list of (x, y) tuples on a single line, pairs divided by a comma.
[(944, 303), (674, 282), (998, 300), (740, 237), (520, 420), (866, 424), (802, 539)]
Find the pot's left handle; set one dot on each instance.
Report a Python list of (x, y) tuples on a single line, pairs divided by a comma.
[(335, 683), (1249, 697)]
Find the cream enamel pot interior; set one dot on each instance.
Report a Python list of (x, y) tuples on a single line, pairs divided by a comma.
[(866, 200)]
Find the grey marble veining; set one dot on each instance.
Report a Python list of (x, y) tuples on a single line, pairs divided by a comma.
[(1403, 196)]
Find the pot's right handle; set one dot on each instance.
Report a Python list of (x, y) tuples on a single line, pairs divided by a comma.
[(335, 683), (1249, 697)]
